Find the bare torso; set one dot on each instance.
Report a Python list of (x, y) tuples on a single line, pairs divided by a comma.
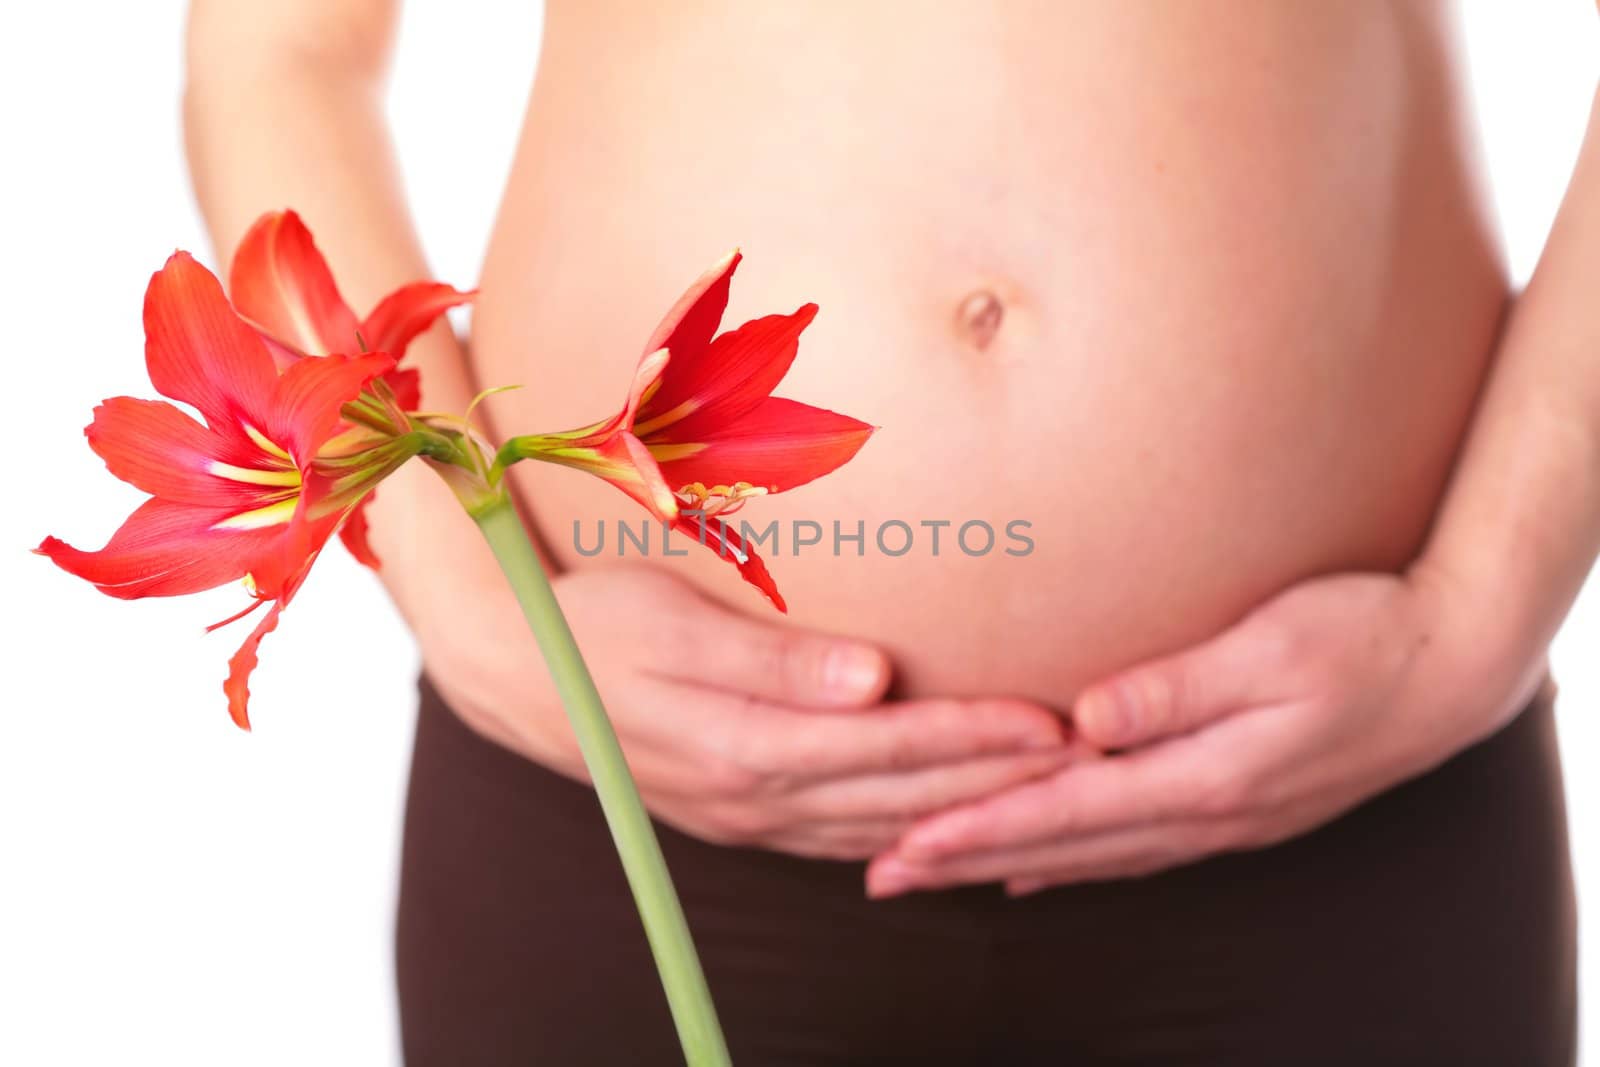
[(1245, 283)]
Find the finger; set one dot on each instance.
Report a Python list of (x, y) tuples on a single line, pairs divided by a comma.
[(1087, 798), (1126, 854), (840, 841), (751, 826), (1099, 861), (908, 735), (778, 663), (785, 746), (1118, 853), (1178, 693), (913, 794)]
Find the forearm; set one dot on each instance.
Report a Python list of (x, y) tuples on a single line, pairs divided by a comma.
[(1520, 524), (270, 123), (273, 121)]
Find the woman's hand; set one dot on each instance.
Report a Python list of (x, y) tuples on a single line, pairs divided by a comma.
[(1329, 693), (740, 731)]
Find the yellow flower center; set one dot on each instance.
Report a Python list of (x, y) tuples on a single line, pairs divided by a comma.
[(277, 474)]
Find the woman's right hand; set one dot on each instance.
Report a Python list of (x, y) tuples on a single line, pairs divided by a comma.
[(738, 731)]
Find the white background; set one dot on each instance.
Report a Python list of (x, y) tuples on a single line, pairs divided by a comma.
[(174, 891)]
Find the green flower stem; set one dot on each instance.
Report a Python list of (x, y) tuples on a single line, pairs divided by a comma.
[(664, 925)]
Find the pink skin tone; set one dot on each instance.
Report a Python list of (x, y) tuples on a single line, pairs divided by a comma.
[(1322, 696), (1270, 729), (1340, 686), (721, 712)]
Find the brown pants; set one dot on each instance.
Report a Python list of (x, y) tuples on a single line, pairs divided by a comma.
[(1432, 926)]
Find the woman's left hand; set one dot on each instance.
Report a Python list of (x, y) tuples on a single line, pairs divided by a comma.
[(1322, 697)]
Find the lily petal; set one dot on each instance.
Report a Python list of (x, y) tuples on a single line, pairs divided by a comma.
[(650, 488), (725, 541), (693, 320), (329, 500), (156, 447), (406, 384), (281, 282), (199, 351), (646, 381), (167, 549), (278, 573), (304, 408), (778, 445), (704, 389), (406, 312), (616, 456), (242, 663), (354, 535)]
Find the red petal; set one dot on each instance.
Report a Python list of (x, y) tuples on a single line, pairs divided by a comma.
[(281, 283), (156, 447), (278, 573), (242, 663), (650, 488), (406, 384), (722, 539), (703, 390), (199, 351), (646, 378), (779, 445), (304, 408), (406, 312), (693, 320), (283, 356), (624, 461), (167, 549), (354, 535), (327, 503)]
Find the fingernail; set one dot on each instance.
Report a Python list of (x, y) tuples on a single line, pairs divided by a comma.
[(887, 878), (852, 669)]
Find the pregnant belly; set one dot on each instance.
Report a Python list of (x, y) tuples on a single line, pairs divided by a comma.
[(1137, 365)]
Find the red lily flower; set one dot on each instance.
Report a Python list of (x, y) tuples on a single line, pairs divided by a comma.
[(700, 432), (281, 283), (256, 490)]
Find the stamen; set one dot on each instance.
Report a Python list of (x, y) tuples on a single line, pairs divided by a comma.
[(718, 499), (236, 616)]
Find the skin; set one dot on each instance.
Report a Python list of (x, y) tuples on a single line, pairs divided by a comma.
[(742, 682), (1243, 334)]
